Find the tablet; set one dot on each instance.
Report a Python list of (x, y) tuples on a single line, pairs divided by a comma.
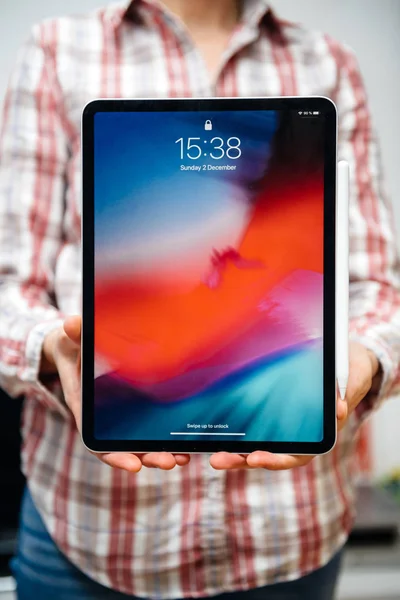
[(209, 275)]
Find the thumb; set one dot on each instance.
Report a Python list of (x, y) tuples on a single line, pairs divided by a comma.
[(72, 327)]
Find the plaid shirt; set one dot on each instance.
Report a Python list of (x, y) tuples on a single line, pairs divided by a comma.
[(193, 531)]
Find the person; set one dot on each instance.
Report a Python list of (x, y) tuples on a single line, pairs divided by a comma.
[(261, 526)]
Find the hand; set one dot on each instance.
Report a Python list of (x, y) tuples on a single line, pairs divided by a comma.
[(363, 376), (62, 354)]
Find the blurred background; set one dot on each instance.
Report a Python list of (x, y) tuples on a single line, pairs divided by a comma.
[(372, 29)]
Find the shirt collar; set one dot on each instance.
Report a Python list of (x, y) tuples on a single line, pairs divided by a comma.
[(256, 14)]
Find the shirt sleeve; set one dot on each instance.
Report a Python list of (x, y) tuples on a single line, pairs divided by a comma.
[(33, 159), (374, 260)]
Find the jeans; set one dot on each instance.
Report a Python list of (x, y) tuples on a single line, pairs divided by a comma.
[(43, 572)]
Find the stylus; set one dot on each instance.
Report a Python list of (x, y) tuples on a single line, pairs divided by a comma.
[(342, 278)]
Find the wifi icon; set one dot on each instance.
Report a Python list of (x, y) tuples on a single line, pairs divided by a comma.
[(300, 112)]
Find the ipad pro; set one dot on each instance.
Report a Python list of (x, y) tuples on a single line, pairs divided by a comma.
[(209, 275)]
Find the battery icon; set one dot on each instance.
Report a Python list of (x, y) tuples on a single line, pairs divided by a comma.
[(316, 112)]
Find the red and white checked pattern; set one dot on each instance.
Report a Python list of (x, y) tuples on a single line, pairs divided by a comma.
[(190, 532)]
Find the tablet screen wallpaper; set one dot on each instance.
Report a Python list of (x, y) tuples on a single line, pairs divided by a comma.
[(209, 231)]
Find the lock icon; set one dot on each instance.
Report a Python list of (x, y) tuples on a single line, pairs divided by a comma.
[(208, 125)]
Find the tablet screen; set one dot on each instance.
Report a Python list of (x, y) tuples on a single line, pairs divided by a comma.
[(209, 275)]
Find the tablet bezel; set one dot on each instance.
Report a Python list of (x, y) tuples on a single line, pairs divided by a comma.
[(322, 104)]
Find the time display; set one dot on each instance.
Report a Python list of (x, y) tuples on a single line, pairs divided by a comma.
[(219, 148)]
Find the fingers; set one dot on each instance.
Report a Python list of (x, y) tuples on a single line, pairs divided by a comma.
[(164, 460), (125, 461), (276, 462), (182, 459), (134, 462), (342, 410), (160, 460), (375, 365), (71, 385), (225, 460), (72, 327), (258, 460)]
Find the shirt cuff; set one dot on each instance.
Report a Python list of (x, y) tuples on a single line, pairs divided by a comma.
[(49, 393), (386, 355)]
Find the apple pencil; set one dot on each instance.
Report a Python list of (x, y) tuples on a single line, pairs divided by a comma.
[(342, 277)]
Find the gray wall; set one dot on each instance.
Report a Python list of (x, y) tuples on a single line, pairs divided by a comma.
[(371, 27)]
